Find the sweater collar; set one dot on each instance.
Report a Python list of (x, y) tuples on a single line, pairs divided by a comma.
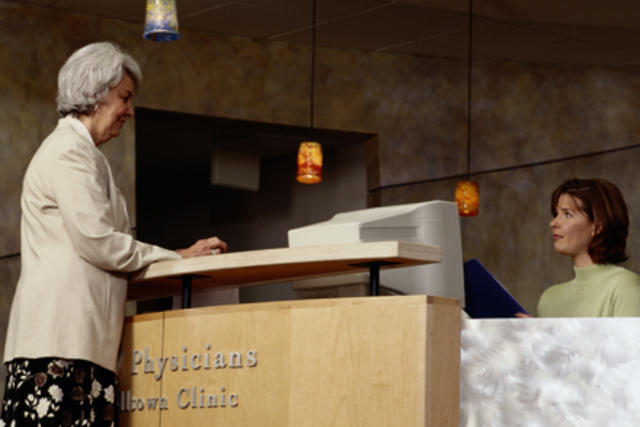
[(590, 271)]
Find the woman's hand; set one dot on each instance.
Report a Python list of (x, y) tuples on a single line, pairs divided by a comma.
[(210, 246), (523, 316)]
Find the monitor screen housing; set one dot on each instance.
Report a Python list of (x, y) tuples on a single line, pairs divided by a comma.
[(433, 223)]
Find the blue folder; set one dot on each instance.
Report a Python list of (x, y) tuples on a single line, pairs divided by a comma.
[(486, 297)]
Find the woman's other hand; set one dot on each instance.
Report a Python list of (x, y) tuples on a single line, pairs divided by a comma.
[(523, 316), (210, 246)]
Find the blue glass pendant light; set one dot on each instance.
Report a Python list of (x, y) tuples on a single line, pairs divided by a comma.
[(161, 23)]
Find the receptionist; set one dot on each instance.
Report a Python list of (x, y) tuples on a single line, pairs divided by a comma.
[(590, 224)]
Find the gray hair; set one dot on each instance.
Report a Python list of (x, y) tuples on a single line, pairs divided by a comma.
[(89, 73)]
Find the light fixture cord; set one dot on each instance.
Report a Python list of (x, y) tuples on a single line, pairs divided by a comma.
[(313, 68), (470, 59)]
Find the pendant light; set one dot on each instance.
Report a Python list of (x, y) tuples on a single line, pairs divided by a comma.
[(161, 22), (310, 152), (467, 190)]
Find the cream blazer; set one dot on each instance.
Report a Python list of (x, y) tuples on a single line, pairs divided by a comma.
[(75, 249)]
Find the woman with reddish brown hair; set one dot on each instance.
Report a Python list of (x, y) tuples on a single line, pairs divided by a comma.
[(590, 224)]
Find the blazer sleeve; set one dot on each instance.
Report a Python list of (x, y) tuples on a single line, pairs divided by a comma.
[(81, 188)]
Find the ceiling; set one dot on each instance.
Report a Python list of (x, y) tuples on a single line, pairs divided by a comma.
[(588, 32)]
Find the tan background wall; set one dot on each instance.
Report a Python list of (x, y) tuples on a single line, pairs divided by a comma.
[(522, 113)]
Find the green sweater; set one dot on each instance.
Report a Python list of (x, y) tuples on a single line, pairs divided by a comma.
[(597, 291)]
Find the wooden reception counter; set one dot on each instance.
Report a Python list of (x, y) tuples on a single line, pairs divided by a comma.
[(370, 361), (272, 265)]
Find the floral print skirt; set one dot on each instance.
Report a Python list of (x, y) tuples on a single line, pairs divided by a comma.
[(58, 392)]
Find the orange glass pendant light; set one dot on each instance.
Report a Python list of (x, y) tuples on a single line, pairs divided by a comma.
[(467, 190), (310, 152), (467, 198), (309, 163)]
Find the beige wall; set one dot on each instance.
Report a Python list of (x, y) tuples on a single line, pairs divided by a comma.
[(522, 113)]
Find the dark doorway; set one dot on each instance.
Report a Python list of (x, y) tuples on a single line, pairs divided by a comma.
[(177, 204)]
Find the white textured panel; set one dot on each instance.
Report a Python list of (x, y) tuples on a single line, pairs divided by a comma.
[(550, 372)]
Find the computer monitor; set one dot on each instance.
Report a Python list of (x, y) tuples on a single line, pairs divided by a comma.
[(433, 223)]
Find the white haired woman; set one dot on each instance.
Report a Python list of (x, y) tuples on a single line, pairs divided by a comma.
[(67, 313)]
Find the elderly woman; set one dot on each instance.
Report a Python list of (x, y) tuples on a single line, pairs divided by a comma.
[(590, 224), (67, 313)]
